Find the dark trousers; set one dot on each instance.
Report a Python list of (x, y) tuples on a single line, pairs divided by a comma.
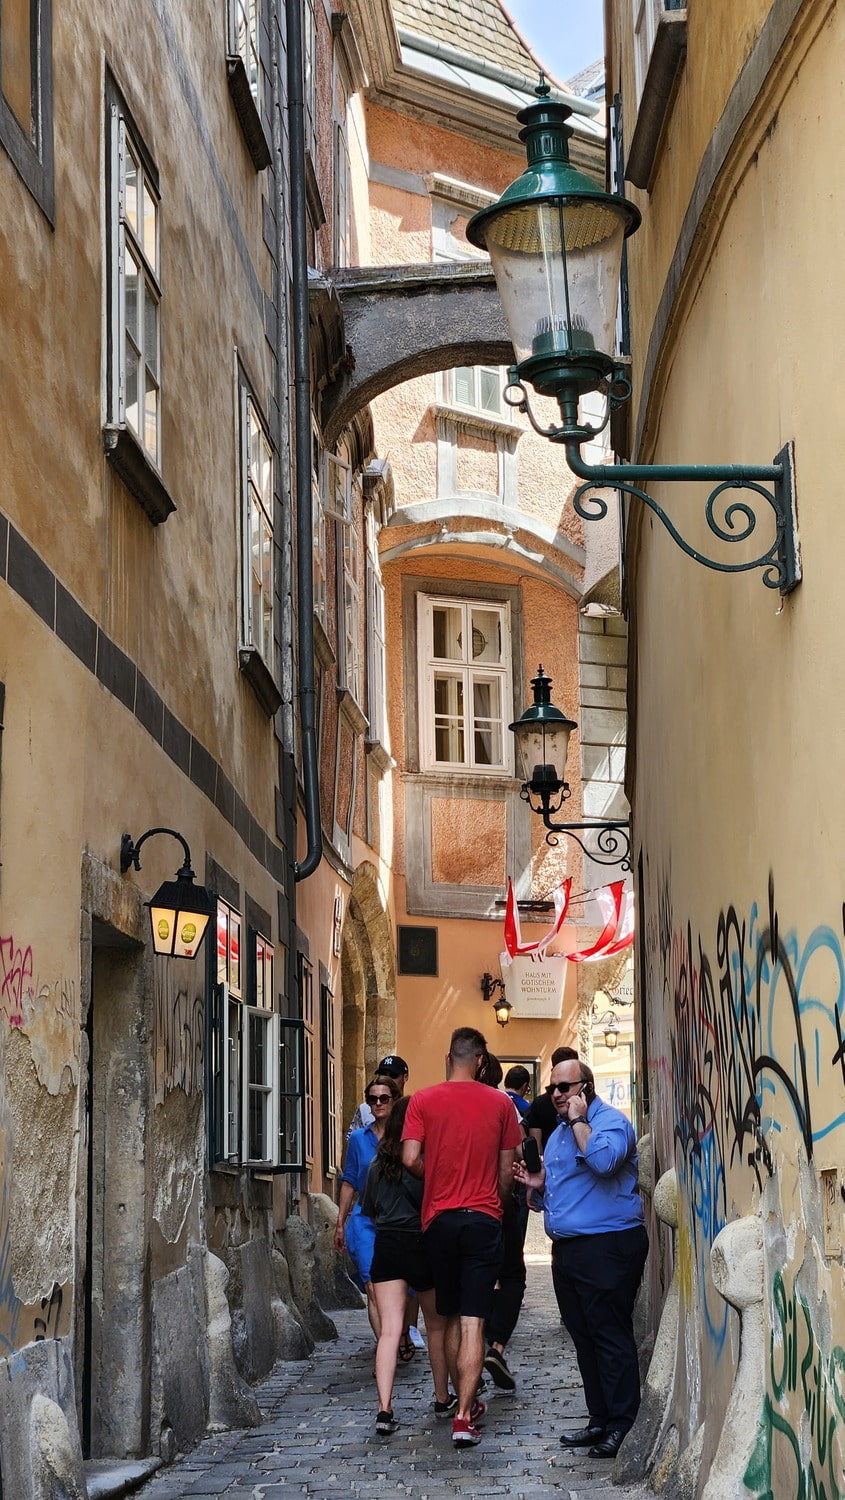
[(595, 1278), (507, 1299)]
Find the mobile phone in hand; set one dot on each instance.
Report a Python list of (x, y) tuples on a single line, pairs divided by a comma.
[(531, 1154)]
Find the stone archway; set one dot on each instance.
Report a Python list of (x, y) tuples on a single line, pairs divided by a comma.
[(401, 321), (368, 986)]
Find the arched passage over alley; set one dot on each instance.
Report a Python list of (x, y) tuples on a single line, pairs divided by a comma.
[(402, 321)]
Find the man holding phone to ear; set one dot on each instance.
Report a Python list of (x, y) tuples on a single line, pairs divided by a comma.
[(587, 1189)]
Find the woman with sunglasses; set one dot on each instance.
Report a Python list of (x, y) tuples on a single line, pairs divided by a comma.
[(354, 1231), (392, 1197)]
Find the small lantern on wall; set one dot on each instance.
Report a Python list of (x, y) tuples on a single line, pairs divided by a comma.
[(180, 911)]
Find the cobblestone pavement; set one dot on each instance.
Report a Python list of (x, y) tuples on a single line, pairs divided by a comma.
[(318, 1436)]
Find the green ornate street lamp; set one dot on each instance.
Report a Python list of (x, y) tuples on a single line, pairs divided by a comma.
[(542, 742), (555, 243)]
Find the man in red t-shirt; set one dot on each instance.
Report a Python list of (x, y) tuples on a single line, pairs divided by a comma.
[(461, 1137)]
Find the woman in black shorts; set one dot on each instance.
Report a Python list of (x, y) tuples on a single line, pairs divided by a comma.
[(392, 1198)]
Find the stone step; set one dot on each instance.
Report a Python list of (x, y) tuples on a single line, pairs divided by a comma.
[(114, 1476)]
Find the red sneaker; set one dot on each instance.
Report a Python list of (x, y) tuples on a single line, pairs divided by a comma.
[(464, 1434), (479, 1411)]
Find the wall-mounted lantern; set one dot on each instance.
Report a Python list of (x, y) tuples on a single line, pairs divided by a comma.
[(180, 911), (555, 243), (610, 1026), (542, 741), (502, 1008)]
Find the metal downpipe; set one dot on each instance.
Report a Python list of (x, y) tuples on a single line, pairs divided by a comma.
[(302, 445)]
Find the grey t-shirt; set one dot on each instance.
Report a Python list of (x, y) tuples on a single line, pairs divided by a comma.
[(392, 1205)]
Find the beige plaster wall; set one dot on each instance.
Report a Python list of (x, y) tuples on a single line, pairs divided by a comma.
[(430, 1009), (416, 145), (720, 36), (736, 794)]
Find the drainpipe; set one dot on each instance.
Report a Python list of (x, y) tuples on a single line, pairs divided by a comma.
[(302, 445)]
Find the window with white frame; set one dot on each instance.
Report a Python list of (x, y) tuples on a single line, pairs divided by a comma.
[(341, 205), (353, 674), (330, 1114), (260, 1049), (256, 1057), (376, 639), (339, 490), (226, 1038), (464, 675), (134, 331), (478, 388), (318, 534), (646, 15), (244, 19), (309, 48), (256, 530)]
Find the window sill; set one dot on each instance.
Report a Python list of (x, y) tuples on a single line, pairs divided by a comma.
[(348, 706), (464, 777), (379, 755), (313, 197), (323, 649), (129, 460), (665, 63), (477, 424), (247, 113), (257, 674)]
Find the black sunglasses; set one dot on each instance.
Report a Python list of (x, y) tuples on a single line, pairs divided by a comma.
[(379, 1098), (564, 1088)]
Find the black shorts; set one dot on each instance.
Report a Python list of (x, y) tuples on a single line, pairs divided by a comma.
[(400, 1255), (465, 1250)]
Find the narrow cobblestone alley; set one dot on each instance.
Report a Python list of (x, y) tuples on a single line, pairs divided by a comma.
[(318, 1436)]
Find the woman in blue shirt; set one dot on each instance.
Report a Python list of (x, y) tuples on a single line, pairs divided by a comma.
[(356, 1232)]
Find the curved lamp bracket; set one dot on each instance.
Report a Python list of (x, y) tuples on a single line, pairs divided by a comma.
[(734, 522), (779, 562), (130, 852)]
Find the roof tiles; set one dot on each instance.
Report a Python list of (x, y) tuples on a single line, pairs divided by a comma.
[(478, 28)]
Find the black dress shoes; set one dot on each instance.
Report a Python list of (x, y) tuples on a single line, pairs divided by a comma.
[(610, 1443), (582, 1437)]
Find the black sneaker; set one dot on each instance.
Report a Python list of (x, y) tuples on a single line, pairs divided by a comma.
[(446, 1408), (386, 1423), (497, 1368)]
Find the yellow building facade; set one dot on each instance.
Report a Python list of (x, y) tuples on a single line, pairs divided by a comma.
[(728, 118)]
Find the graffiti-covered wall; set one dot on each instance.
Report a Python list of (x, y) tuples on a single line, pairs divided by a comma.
[(750, 1044), (735, 729)]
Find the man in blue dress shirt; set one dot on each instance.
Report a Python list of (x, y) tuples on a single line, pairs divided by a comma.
[(588, 1192)]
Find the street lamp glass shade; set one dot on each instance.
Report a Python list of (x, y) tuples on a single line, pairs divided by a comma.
[(542, 746), (502, 1011), (557, 264), (555, 243), (179, 915), (611, 1037)]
